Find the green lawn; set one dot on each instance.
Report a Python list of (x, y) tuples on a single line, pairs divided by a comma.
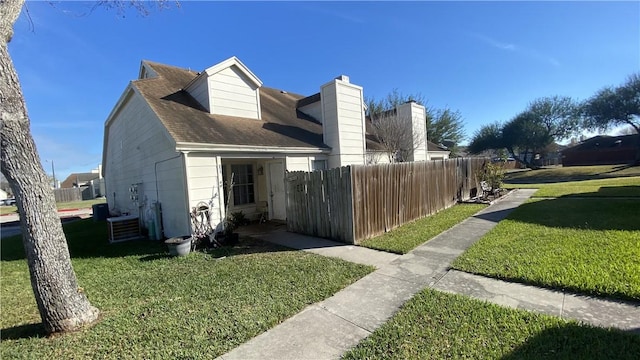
[(408, 236), (572, 173), (154, 306), (61, 206), (587, 245), (616, 187), (435, 325)]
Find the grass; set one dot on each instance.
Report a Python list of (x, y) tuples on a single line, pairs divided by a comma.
[(617, 187), (572, 173), (589, 246), (61, 206), (408, 236), (154, 306), (436, 325)]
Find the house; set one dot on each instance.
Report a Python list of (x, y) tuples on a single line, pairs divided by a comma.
[(92, 183), (219, 138), (75, 180), (602, 150), (436, 152)]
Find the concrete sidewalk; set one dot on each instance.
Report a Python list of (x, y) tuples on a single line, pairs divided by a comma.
[(352, 253), (10, 223), (327, 329)]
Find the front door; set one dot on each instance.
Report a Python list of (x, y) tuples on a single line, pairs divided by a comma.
[(277, 200)]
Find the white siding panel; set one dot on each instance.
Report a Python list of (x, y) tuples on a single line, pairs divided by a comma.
[(139, 152), (297, 163), (231, 93), (314, 110), (205, 184), (199, 92)]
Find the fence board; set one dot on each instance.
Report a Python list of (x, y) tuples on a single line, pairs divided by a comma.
[(68, 194), (354, 203)]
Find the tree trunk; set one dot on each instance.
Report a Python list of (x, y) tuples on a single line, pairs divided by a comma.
[(61, 303)]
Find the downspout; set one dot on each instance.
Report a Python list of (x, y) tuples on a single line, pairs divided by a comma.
[(220, 193)]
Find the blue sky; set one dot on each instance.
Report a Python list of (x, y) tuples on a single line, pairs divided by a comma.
[(486, 59)]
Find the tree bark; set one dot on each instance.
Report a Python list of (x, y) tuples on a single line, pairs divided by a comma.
[(62, 304)]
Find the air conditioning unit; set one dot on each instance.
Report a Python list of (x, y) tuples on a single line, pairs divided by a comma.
[(123, 228)]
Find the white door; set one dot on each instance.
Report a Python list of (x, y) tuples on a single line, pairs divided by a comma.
[(277, 201)]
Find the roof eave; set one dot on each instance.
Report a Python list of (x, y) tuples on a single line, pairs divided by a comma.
[(229, 148)]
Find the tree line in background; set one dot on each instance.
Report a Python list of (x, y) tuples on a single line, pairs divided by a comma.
[(529, 135), (547, 120)]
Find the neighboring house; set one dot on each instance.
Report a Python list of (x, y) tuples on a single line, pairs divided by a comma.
[(180, 138), (602, 150), (92, 183), (75, 180), (437, 152), (3, 195)]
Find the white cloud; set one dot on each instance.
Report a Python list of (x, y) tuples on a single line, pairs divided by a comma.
[(531, 53)]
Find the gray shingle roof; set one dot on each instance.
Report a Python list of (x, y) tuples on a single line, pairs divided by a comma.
[(187, 121)]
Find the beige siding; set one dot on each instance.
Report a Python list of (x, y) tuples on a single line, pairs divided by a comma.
[(314, 110), (298, 163), (138, 152), (343, 123), (231, 93), (330, 128), (205, 184), (199, 91)]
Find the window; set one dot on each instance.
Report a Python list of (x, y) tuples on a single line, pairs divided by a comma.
[(243, 192), (319, 165)]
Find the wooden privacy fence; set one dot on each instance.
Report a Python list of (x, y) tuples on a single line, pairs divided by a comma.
[(68, 195), (319, 203), (358, 202)]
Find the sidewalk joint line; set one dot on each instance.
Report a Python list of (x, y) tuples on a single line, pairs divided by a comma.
[(340, 317)]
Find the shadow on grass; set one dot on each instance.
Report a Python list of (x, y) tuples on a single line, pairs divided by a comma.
[(590, 213), (23, 332), (611, 191), (572, 341), (86, 239), (493, 216), (89, 239), (246, 246)]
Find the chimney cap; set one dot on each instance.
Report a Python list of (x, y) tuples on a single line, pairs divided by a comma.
[(344, 78)]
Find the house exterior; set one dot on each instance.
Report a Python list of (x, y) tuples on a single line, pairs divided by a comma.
[(92, 183), (181, 138), (602, 150), (437, 152)]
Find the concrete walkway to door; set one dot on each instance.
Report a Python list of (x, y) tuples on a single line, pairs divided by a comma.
[(327, 329)]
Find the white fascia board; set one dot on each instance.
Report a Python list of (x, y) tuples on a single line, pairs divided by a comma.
[(230, 62), (223, 65), (126, 94), (227, 148), (342, 82)]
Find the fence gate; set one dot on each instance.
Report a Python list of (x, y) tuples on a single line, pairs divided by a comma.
[(319, 203)]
